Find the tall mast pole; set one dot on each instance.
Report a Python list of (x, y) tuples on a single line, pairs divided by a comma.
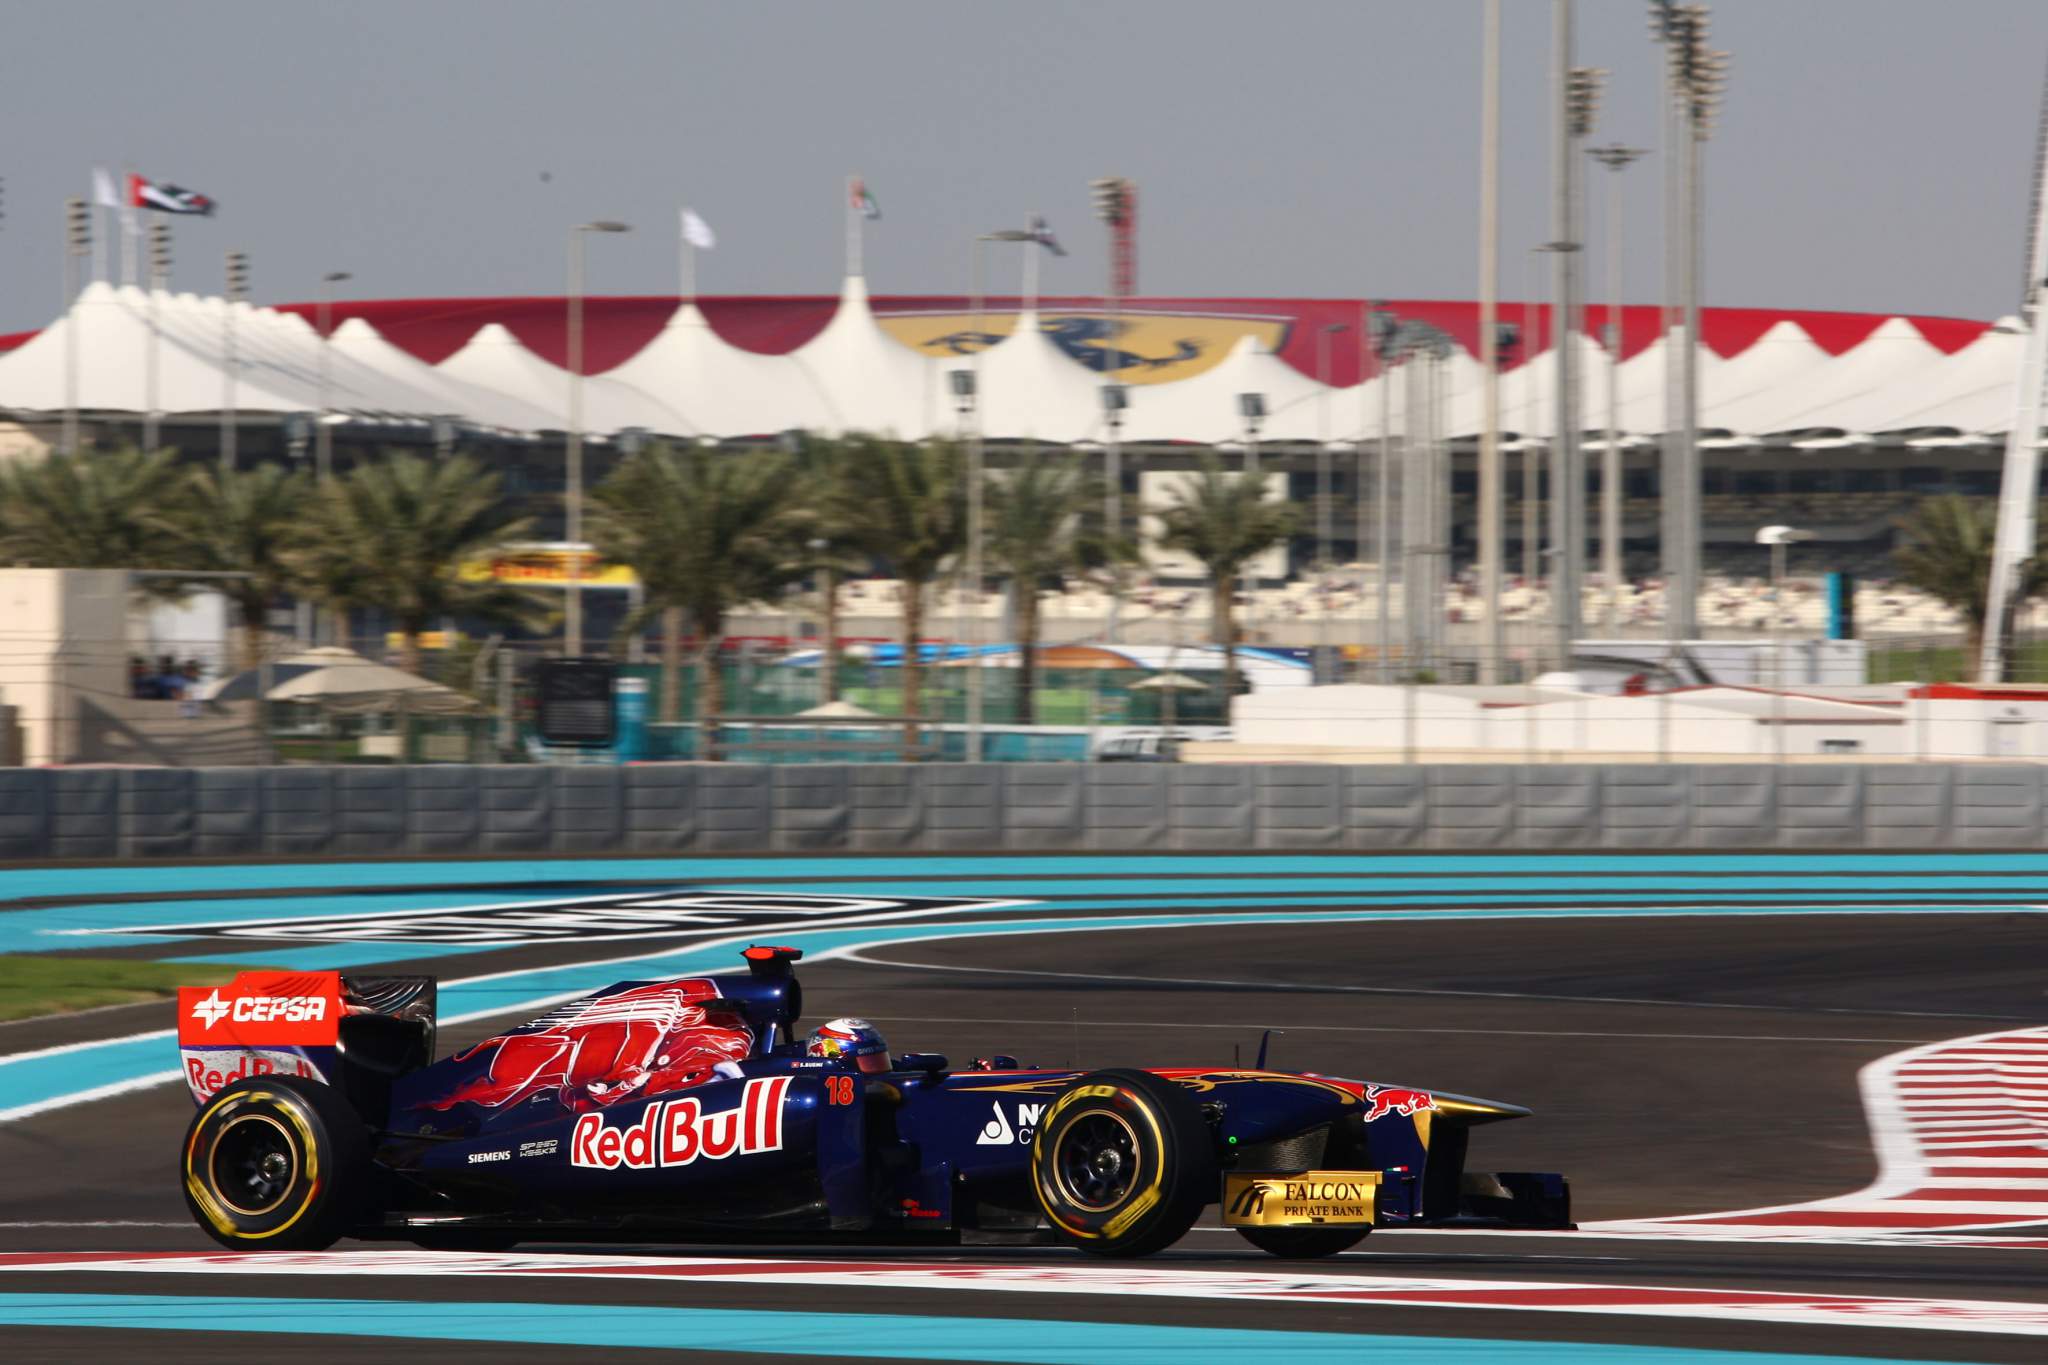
[(1615, 158), (1492, 532), (1567, 485)]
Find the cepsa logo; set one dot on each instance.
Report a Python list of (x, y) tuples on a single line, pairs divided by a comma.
[(293, 1009), (209, 1069), (678, 1132)]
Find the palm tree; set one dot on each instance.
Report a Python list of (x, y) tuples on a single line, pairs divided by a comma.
[(629, 523), (116, 509), (906, 504), (1947, 555), (1224, 521), (246, 522), (395, 533), (1038, 530), (706, 531), (831, 542)]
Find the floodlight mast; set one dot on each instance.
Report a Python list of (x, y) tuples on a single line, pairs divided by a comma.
[(1694, 80), (1574, 95), (1616, 158)]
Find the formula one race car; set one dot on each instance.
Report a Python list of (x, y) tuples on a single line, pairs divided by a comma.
[(691, 1110)]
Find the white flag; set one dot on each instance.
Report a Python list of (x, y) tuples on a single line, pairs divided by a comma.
[(697, 232), (103, 192)]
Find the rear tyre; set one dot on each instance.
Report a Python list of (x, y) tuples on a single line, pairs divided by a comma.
[(1123, 1163), (1303, 1244), (275, 1163)]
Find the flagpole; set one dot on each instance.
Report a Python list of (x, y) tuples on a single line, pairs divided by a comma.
[(131, 231), (689, 269), (853, 215), (100, 249), (1031, 274)]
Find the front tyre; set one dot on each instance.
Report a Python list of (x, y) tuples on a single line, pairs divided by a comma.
[(1303, 1244), (1122, 1163), (275, 1163)]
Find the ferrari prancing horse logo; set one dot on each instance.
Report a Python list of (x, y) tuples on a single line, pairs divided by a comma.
[(1138, 348)]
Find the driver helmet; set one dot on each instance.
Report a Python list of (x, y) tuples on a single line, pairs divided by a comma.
[(850, 1040)]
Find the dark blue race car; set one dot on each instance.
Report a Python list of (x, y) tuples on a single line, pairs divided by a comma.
[(692, 1109)]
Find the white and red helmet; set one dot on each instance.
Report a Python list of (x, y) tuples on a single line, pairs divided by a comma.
[(855, 1041)]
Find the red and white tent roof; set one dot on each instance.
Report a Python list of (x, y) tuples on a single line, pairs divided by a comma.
[(683, 371)]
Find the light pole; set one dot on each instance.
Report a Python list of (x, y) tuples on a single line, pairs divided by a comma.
[(159, 278), (572, 630), (77, 244), (1115, 399), (967, 620), (1576, 93), (1694, 80), (1027, 238), (323, 439), (1324, 496), (1508, 340), (1533, 552), (1532, 468), (1115, 199), (1616, 159), (1251, 407), (237, 289), (1492, 528), (1779, 538), (966, 391), (1386, 340)]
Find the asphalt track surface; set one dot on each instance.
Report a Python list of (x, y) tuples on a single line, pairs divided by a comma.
[(1678, 1064)]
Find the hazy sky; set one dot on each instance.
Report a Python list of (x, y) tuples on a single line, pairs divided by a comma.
[(1874, 154)]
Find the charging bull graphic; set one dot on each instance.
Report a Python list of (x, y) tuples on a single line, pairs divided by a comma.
[(604, 1049), (1384, 1100)]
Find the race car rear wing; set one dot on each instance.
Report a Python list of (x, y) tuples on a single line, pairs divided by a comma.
[(355, 1031)]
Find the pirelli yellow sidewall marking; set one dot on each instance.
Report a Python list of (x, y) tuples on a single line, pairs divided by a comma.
[(1140, 1203), (201, 1187)]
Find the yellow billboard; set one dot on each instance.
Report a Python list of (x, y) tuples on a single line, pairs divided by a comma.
[(1138, 348), (549, 566)]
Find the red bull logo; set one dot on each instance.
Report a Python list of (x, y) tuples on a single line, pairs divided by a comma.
[(1383, 1100), (679, 1132)]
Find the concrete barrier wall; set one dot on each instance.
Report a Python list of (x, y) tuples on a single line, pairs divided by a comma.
[(142, 814)]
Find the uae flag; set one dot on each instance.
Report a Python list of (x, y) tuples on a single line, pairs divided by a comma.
[(864, 203), (147, 194)]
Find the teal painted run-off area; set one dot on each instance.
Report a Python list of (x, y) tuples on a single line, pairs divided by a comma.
[(872, 1336), (1054, 894), (187, 879)]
